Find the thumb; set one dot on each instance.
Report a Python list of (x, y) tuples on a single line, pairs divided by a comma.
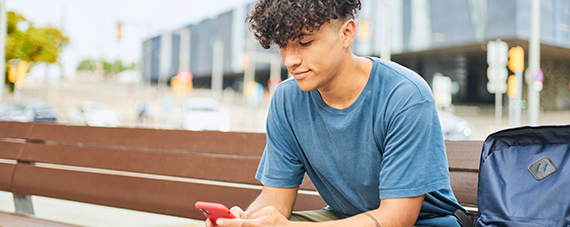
[(237, 211), (229, 222)]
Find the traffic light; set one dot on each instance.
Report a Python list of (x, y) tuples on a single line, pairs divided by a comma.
[(497, 58), (119, 31), (516, 59), (12, 73), (512, 87)]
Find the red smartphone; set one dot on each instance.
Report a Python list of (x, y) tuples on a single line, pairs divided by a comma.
[(213, 211)]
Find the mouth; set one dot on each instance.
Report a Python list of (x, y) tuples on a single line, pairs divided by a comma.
[(299, 75)]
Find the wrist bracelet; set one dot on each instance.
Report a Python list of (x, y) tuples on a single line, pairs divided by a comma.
[(373, 219)]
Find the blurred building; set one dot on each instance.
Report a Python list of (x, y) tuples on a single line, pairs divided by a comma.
[(427, 36)]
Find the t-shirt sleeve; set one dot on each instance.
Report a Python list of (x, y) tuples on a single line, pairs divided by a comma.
[(280, 165), (414, 160)]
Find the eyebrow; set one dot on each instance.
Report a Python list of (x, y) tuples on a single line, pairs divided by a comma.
[(306, 34)]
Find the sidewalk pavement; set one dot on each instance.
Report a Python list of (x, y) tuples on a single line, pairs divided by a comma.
[(84, 214)]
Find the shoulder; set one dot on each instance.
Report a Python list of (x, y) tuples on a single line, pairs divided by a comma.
[(288, 85), (287, 97), (398, 81), (287, 91)]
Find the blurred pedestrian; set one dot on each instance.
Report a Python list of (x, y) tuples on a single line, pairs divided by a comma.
[(143, 113)]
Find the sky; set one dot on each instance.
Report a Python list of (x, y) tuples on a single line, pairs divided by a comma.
[(91, 25)]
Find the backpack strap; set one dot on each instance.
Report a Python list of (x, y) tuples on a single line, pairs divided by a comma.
[(466, 220)]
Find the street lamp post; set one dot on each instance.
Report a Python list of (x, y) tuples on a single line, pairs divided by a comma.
[(533, 63), (386, 30), (3, 33), (217, 80)]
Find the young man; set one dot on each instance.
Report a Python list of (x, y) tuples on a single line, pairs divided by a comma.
[(366, 131)]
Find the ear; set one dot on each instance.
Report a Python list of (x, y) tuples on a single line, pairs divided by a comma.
[(348, 31)]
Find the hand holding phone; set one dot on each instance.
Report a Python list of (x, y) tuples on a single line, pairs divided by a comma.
[(213, 211)]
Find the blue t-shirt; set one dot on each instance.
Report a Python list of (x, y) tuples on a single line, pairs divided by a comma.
[(387, 144)]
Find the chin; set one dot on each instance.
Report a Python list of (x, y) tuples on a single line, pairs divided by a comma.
[(305, 87)]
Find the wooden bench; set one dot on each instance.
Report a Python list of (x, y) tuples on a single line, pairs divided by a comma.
[(159, 171), (463, 159)]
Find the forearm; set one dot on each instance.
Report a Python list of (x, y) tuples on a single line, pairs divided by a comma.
[(282, 199), (375, 218), (390, 213)]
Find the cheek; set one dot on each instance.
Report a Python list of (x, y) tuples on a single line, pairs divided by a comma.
[(329, 57), (282, 53)]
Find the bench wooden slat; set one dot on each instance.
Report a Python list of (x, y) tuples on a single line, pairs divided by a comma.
[(206, 141), (150, 195), (9, 150), (464, 186), (463, 154), (6, 170), (230, 168), (203, 166), (14, 129), (463, 158)]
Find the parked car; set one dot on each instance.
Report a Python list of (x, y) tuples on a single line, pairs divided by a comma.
[(454, 127), (93, 114), (15, 112), (43, 112), (28, 111), (203, 114)]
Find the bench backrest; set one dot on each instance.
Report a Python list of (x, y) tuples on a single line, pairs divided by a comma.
[(463, 159), (160, 171)]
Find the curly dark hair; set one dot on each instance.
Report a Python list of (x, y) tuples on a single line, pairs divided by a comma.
[(279, 21)]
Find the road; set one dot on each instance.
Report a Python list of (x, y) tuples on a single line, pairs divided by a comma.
[(122, 97)]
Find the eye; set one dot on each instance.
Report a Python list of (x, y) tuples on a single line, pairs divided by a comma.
[(305, 44)]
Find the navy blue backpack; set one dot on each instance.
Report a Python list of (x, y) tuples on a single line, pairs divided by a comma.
[(524, 178)]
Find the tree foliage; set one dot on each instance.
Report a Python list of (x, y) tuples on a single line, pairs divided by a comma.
[(88, 65), (113, 68), (109, 68), (34, 44)]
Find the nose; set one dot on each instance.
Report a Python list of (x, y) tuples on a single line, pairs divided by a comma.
[(290, 56)]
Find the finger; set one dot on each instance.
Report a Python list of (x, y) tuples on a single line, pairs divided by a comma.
[(230, 222), (266, 211), (236, 211), (209, 223), (245, 215)]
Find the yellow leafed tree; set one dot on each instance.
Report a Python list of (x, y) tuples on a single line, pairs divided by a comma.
[(32, 44)]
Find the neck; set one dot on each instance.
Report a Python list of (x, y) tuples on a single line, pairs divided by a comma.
[(347, 85)]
